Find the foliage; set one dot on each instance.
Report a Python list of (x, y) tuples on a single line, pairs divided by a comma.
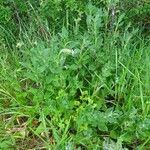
[(18, 15), (67, 80), (137, 13)]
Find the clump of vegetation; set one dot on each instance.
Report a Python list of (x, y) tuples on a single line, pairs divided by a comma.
[(74, 75)]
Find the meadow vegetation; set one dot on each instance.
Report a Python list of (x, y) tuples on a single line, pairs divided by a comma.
[(74, 74)]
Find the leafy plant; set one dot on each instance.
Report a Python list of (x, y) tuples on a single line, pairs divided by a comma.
[(73, 75)]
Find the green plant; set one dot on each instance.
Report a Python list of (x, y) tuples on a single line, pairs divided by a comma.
[(73, 85)]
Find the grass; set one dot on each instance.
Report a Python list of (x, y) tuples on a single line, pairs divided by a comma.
[(76, 90)]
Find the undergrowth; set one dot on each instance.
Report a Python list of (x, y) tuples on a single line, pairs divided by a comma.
[(76, 88)]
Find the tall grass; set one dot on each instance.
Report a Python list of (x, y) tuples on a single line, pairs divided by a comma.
[(76, 89)]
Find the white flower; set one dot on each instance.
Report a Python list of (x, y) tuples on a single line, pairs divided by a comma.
[(67, 51), (19, 44)]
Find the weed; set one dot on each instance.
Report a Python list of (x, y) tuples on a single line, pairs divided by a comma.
[(83, 86)]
